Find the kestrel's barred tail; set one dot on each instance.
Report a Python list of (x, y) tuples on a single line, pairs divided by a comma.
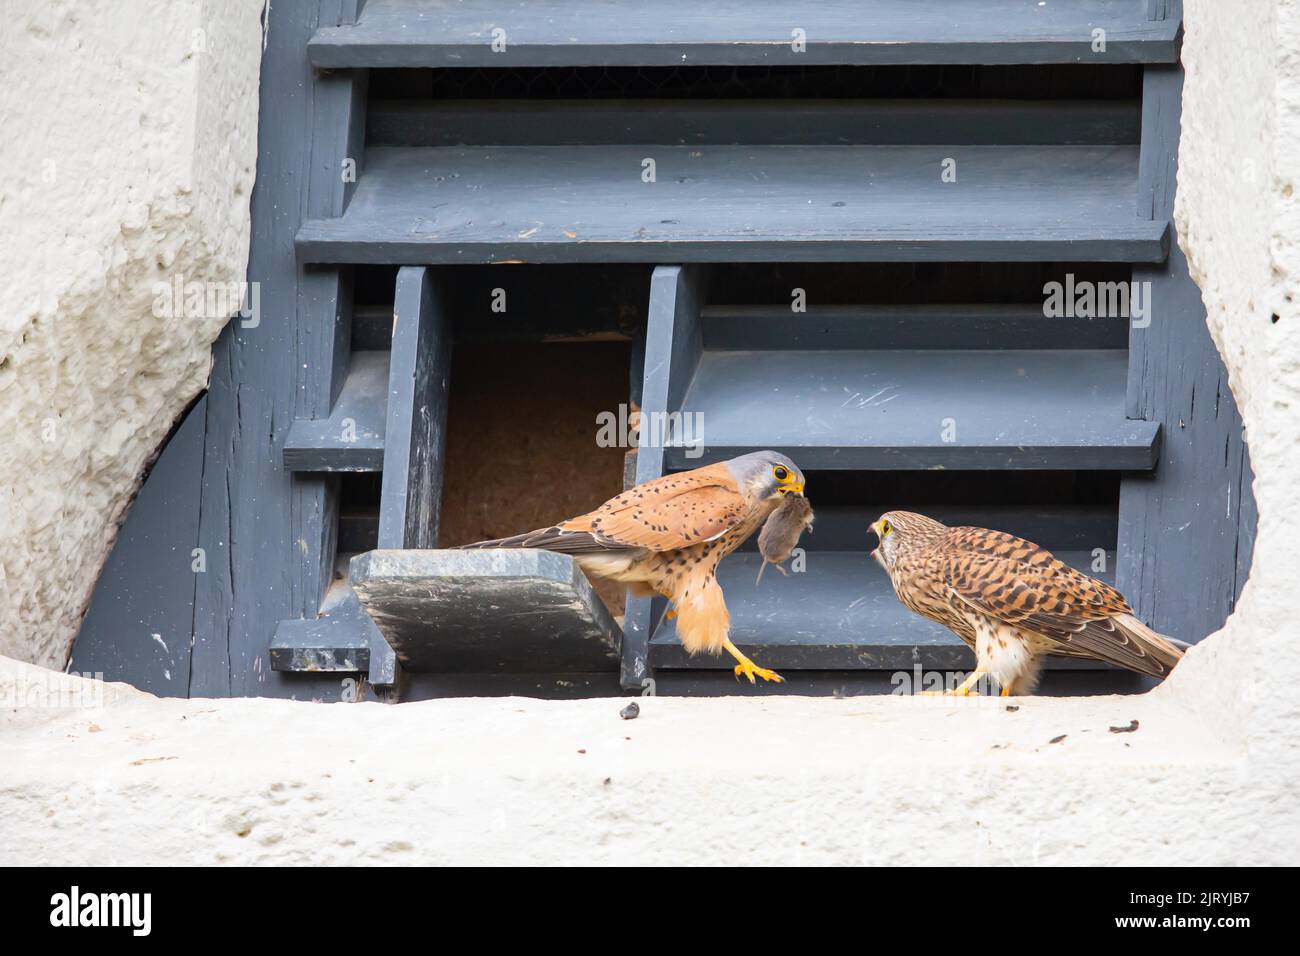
[(1152, 654), (554, 538)]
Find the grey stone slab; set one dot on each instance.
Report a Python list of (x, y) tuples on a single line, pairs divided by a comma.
[(486, 611)]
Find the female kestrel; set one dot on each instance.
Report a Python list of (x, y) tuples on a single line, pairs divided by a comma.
[(1013, 602), (666, 536)]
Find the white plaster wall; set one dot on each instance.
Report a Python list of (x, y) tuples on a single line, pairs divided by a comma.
[(1237, 221), (771, 780), (98, 774), (129, 150)]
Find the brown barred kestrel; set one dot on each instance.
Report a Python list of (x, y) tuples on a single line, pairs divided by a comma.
[(1013, 602), (667, 536)]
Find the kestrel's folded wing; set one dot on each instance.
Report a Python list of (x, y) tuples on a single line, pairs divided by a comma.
[(675, 511), (1022, 584), (671, 512)]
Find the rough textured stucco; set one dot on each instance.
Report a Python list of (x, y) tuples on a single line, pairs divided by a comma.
[(1208, 777), (1238, 224), (784, 779), (130, 145)]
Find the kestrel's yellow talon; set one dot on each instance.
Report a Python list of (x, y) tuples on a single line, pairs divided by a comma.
[(672, 613), (749, 668), (965, 689)]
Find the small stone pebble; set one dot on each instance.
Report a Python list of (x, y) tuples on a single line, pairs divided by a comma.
[(631, 712)]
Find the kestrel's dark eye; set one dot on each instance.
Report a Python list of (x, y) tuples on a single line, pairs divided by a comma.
[(885, 528), (782, 473)]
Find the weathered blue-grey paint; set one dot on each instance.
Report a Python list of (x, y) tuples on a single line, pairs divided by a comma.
[(417, 413), (740, 203), (413, 33), (141, 618), (1186, 530), (904, 409), (352, 437)]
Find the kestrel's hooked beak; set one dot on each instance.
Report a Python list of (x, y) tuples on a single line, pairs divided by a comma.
[(875, 552), (793, 489)]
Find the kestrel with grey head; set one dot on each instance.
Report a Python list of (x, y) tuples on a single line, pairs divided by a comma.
[(667, 536)]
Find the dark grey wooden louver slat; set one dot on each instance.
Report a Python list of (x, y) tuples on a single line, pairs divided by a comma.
[(416, 429), (899, 410), (740, 203), (417, 33), (352, 437), (848, 389)]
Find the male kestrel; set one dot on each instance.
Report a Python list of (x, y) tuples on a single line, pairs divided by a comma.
[(666, 536), (1013, 602)]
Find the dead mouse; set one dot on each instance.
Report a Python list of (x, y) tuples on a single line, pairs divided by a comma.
[(781, 531)]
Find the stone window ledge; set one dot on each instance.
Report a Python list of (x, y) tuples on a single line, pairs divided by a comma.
[(774, 780)]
